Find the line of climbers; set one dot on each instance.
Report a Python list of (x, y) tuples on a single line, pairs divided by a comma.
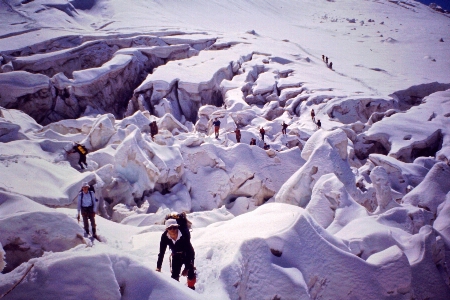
[(82, 151), (325, 59)]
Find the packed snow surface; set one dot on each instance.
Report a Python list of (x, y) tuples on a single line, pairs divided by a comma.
[(353, 202)]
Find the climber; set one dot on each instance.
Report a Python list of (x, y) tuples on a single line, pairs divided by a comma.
[(82, 151), (153, 129), (88, 205), (238, 135), (182, 252), (262, 132), (216, 124), (313, 115), (284, 126)]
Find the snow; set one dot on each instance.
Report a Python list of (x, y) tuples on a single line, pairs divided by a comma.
[(356, 209)]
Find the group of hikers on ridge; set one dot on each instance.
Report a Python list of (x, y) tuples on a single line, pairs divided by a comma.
[(313, 117), (237, 131), (325, 60), (82, 151)]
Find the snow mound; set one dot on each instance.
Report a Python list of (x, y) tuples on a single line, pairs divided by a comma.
[(121, 278), (30, 229)]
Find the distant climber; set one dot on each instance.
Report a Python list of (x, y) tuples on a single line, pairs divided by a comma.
[(238, 135), (326, 59), (262, 132), (253, 142), (266, 147), (313, 115), (88, 206), (182, 252), (319, 124), (82, 151), (153, 129), (331, 65), (323, 57), (284, 127), (216, 124)]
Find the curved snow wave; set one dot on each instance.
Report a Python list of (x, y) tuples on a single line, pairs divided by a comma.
[(93, 275)]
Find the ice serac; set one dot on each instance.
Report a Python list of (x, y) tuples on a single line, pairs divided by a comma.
[(442, 223), (31, 93), (297, 259), (98, 88), (409, 141), (186, 87), (101, 132), (217, 176), (97, 76), (372, 238), (401, 175), (381, 183), (331, 206), (325, 152), (431, 192)]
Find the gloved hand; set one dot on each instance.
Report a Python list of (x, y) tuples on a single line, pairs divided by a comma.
[(158, 270), (185, 272), (78, 218)]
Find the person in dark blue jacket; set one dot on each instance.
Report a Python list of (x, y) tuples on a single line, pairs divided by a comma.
[(182, 252)]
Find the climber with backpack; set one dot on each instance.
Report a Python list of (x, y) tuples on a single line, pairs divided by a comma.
[(178, 238), (88, 205), (82, 151)]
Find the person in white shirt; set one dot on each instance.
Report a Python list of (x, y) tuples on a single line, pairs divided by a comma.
[(88, 205)]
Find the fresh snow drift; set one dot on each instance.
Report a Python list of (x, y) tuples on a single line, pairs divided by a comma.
[(356, 208)]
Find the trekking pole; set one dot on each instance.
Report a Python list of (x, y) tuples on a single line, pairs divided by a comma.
[(17, 283)]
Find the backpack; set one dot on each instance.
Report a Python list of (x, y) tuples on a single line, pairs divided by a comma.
[(82, 149), (91, 189), (183, 223)]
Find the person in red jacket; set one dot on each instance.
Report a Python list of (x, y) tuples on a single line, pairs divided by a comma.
[(182, 252), (262, 131), (313, 115), (216, 124), (238, 135)]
